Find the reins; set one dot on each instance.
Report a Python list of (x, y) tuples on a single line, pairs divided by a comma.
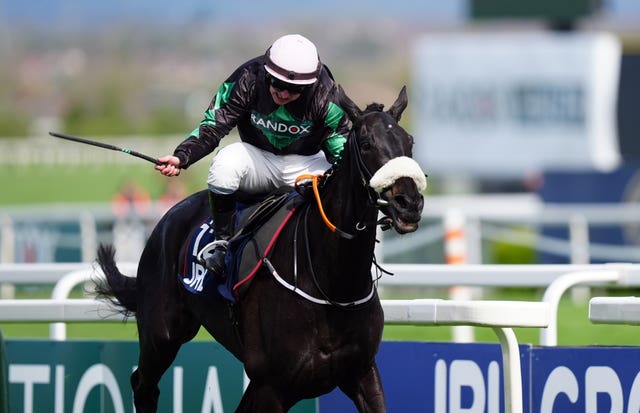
[(316, 192), (374, 201), (365, 176)]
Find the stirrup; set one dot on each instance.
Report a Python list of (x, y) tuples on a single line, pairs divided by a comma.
[(209, 248)]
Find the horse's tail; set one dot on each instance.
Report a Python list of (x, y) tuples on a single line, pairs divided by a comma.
[(118, 289)]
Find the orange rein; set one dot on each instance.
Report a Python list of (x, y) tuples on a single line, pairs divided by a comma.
[(316, 193)]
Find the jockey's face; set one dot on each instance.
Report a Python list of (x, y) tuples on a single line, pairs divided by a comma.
[(284, 92), (282, 97)]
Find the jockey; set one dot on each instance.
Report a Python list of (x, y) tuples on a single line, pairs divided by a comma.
[(284, 104)]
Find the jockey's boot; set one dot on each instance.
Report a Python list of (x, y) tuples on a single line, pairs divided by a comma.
[(223, 211)]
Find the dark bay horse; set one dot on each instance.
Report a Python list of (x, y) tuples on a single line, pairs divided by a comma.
[(294, 344)]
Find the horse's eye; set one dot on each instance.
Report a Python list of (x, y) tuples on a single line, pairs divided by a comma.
[(365, 145), (411, 139)]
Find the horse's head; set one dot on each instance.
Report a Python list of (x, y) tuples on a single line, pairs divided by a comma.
[(382, 150)]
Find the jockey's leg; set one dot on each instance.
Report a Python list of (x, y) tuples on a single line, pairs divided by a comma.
[(223, 211), (244, 167)]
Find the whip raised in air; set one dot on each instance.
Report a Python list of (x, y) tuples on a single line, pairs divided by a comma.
[(106, 146)]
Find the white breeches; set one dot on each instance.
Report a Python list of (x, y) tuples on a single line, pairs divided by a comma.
[(241, 166)]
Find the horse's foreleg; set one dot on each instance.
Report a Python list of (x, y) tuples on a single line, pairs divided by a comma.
[(261, 399), (367, 393)]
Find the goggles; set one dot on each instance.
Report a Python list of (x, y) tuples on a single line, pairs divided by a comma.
[(281, 86)]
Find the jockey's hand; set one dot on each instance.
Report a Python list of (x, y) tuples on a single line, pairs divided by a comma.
[(170, 165)]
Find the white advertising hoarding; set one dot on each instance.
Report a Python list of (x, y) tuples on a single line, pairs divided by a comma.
[(506, 104)]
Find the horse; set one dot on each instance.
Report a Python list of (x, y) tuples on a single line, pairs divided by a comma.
[(324, 330)]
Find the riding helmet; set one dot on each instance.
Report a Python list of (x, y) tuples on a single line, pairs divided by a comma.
[(293, 59)]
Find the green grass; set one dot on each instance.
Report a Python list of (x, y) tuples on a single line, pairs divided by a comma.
[(71, 184), (80, 184)]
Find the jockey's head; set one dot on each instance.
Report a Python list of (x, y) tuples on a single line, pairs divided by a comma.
[(292, 64)]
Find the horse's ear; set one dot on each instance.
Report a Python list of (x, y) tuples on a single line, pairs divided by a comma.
[(351, 109), (399, 105)]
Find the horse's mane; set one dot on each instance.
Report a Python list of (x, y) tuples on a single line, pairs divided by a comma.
[(374, 107), (371, 107)]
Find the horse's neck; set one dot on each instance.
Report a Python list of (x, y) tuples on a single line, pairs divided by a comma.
[(347, 205), (340, 266), (347, 196)]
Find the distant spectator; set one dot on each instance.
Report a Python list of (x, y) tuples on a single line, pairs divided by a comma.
[(174, 192), (131, 200)]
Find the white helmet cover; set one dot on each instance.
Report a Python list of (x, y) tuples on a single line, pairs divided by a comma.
[(293, 59)]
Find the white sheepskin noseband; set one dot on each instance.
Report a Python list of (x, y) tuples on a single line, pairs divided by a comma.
[(400, 167)]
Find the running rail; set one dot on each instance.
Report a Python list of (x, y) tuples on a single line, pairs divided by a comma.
[(557, 279), (499, 315), (615, 310), (51, 273)]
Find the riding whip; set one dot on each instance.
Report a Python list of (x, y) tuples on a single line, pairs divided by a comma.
[(106, 146)]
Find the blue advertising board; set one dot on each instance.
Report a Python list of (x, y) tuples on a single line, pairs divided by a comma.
[(418, 377), (585, 379), (467, 378), (438, 378)]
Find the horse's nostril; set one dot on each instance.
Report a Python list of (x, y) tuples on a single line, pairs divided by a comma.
[(402, 201)]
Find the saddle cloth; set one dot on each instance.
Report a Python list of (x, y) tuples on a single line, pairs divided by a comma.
[(258, 226)]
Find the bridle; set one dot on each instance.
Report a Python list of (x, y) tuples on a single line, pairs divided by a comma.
[(374, 199)]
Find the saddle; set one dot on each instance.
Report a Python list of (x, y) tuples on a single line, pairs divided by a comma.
[(257, 225)]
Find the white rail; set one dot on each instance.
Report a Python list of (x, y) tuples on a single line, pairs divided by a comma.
[(496, 275), (555, 291), (557, 279), (50, 273), (56, 310), (615, 310), (499, 315), (431, 275), (487, 216)]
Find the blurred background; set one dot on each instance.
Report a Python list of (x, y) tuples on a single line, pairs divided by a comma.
[(524, 114)]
